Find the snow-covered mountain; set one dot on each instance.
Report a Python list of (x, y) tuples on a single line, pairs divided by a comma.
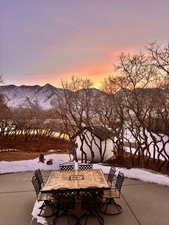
[(45, 96)]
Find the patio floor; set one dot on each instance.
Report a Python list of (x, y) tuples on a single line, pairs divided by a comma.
[(142, 203)]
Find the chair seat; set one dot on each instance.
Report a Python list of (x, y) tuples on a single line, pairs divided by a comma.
[(45, 197), (112, 193)]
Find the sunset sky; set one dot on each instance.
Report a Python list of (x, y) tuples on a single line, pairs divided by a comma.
[(45, 41)]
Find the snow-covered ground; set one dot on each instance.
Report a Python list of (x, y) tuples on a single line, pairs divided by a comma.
[(30, 165), (153, 152)]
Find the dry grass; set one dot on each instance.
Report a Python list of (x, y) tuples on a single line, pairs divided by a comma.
[(33, 143), (16, 156), (31, 148)]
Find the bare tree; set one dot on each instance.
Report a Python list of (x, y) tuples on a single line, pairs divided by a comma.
[(74, 105), (159, 57), (133, 106)]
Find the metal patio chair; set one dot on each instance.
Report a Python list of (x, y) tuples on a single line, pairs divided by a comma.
[(36, 185), (111, 175), (109, 196), (48, 200), (85, 166), (67, 166), (115, 191), (39, 177)]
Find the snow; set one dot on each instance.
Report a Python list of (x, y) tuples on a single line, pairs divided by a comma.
[(24, 96), (129, 137), (36, 211), (146, 176), (30, 165)]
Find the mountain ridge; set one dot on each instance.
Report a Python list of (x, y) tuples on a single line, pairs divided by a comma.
[(47, 96)]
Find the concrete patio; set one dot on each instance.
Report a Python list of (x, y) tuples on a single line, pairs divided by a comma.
[(142, 203)]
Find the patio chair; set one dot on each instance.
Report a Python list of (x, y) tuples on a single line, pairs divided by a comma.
[(39, 177), (85, 166), (111, 175), (36, 185), (109, 196), (119, 182), (115, 192), (67, 166), (45, 175), (48, 200)]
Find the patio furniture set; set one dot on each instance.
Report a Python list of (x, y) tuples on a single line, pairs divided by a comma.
[(78, 192)]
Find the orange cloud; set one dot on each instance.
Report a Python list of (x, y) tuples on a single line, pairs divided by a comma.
[(97, 70)]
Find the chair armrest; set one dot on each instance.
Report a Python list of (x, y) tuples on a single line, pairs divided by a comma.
[(112, 193)]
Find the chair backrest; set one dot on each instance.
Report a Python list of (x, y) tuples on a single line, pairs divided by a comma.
[(85, 166), (119, 181), (111, 175), (39, 177), (36, 185), (66, 167)]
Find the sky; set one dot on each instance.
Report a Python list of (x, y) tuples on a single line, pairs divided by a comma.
[(46, 41)]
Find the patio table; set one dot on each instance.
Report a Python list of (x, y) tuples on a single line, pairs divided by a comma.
[(77, 182)]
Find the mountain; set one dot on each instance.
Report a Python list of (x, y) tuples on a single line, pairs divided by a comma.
[(46, 96)]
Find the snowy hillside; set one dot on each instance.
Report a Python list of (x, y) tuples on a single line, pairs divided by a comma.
[(46, 96)]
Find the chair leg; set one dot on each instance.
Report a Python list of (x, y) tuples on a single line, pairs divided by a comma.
[(41, 209), (44, 205), (96, 215), (110, 204), (68, 219), (86, 219), (112, 201), (99, 218)]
